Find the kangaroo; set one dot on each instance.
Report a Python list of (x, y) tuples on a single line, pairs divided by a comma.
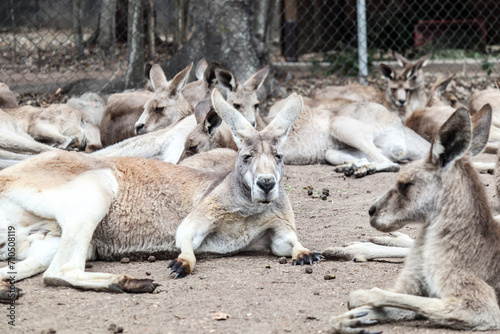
[(439, 107), (450, 276), (7, 97), (243, 97), (58, 125), (405, 90), (357, 137), (15, 144), (489, 96), (173, 208)]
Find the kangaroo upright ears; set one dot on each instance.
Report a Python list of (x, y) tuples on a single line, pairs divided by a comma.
[(180, 80), (200, 68), (453, 139), (481, 124), (289, 112), (256, 80), (226, 79), (157, 76), (240, 127), (387, 71)]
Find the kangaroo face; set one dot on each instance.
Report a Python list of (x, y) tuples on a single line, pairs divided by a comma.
[(260, 167)]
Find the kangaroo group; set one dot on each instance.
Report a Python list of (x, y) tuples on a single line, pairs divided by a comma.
[(187, 168)]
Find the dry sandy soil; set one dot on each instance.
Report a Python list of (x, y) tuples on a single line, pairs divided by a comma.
[(254, 293)]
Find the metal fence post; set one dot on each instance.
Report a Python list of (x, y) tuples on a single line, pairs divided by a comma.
[(362, 48)]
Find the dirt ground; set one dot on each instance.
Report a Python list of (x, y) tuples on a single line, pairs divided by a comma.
[(249, 293)]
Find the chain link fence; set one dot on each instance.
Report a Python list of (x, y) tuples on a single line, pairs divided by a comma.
[(84, 45)]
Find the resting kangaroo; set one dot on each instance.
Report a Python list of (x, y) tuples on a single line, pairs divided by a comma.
[(405, 89), (66, 207), (364, 136), (451, 275)]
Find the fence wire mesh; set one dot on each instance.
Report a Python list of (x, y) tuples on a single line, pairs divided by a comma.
[(85, 44)]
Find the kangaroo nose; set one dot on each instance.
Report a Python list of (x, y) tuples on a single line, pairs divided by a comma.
[(266, 184), (138, 128), (401, 102), (253, 124), (372, 210)]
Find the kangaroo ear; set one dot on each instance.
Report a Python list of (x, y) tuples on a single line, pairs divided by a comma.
[(157, 76), (424, 59), (201, 110), (240, 127), (209, 74), (289, 112), (200, 68), (180, 80), (256, 80), (226, 79), (453, 139), (481, 123), (212, 121), (387, 71), (402, 61)]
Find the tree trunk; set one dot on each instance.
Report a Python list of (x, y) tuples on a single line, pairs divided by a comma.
[(134, 74), (222, 32), (77, 29), (107, 25)]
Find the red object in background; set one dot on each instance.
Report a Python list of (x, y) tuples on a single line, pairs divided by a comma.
[(427, 30)]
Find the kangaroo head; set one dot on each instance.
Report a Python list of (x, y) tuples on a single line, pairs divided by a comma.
[(259, 164), (202, 138), (168, 104), (201, 88), (401, 84), (243, 97), (421, 188), (438, 96)]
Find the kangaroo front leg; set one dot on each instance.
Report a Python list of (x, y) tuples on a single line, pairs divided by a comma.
[(189, 236), (285, 243)]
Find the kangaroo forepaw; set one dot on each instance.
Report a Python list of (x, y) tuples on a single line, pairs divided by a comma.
[(180, 268), (307, 258)]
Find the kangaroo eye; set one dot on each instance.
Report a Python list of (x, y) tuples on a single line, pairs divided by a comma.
[(236, 106), (246, 157), (159, 109), (407, 91), (403, 187), (279, 156), (393, 90), (193, 148), (256, 106)]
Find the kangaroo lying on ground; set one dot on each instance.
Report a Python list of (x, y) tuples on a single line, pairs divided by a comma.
[(365, 136), (451, 275), (66, 207), (405, 90)]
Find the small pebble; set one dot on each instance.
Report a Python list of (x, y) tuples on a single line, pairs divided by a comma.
[(151, 258), (125, 260), (268, 266), (323, 197), (326, 192), (88, 265), (329, 277), (148, 273), (309, 270), (309, 192), (283, 260)]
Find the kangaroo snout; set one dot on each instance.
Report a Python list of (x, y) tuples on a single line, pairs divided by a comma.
[(372, 210), (138, 128), (266, 183)]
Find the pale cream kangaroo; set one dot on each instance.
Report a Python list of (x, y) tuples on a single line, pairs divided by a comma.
[(67, 207)]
